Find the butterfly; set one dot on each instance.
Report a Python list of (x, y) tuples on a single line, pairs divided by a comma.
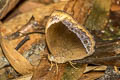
[(66, 39)]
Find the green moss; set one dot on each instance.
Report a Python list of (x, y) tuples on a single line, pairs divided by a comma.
[(98, 16)]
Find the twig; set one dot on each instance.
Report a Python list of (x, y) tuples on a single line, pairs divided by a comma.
[(22, 42)]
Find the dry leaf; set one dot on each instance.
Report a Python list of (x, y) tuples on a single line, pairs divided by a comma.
[(6, 6), (44, 71), (15, 24), (25, 77), (95, 68), (92, 76), (19, 63), (73, 73)]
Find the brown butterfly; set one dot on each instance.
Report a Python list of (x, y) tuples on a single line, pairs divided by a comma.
[(66, 39)]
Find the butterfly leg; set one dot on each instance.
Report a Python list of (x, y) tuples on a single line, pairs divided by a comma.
[(72, 65)]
